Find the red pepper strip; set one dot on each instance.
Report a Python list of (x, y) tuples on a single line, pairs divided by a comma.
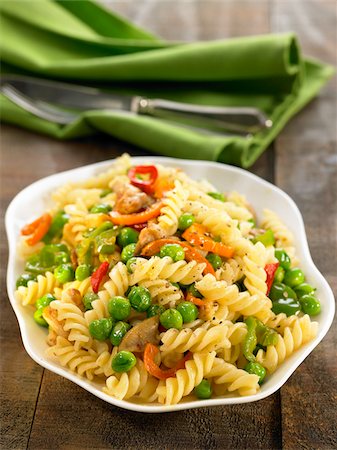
[(98, 275), (270, 270), (197, 301), (149, 354), (37, 229), (191, 254), (145, 184), (133, 219), (196, 235)]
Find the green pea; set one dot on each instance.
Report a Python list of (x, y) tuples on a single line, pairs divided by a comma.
[(128, 252), (64, 273), (283, 258), (140, 298), (24, 278), (44, 301), (39, 318), (293, 277), (155, 310), (103, 208), (215, 260), (194, 291), (87, 300), (175, 251), (217, 196), (127, 236), (203, 390), (303, 289), (171, 318), (119, 308), (105, 192), (279, 275), (131, 263), (310, 305), (118, 332), (256, 369), (267, 238), (185, 221), (123, 361), (100, 329), (188, 311), (82, 272)]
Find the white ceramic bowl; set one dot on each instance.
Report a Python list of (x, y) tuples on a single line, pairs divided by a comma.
[(32, 201)]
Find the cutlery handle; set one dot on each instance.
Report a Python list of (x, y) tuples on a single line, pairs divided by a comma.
[(226, 119)]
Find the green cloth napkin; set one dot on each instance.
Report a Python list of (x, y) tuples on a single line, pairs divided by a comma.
[(78, 40)]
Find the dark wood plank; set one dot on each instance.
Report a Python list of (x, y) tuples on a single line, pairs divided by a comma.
[(306, 168), (87, 422)]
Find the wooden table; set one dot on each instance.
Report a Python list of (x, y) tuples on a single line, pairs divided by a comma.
[(41, 410)]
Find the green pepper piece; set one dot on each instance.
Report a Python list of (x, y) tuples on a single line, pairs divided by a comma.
[(265, 335), (250, 340), (280, 290), (267, 238), (217, 196), (279, 275), (24, 279), (33, 265), (52, 255), (104, 227), (101, 208), (105, 242), (105, 192), (283, 258), (56, 227), (288, 306)]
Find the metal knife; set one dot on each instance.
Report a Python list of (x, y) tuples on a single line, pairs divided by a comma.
[(44, 98)]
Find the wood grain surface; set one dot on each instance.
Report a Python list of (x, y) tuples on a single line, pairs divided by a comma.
[(40, 410)]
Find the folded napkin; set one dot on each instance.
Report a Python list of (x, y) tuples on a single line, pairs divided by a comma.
[(78, 40)]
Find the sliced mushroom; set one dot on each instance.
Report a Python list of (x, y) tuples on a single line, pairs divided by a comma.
[(139, 335)]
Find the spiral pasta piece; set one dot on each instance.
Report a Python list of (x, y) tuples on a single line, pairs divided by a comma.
[(232, 378), (301, 332), (74, 322), (230, 271), (172, 390), (163, 292), (271, 221), (35, 289), (104, 361), (84, 362), (172, 209), (219, 223), (199, 340), (132, 383), (176, 272), (115, 286), (230, 297)]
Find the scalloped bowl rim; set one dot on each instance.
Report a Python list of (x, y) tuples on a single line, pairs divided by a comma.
[(242, 181)]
